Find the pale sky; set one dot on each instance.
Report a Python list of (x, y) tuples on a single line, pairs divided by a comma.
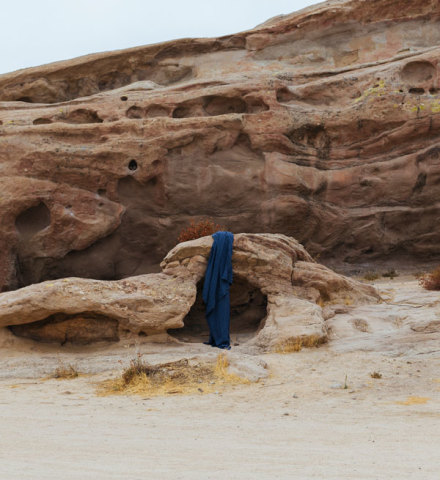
[(34, 32)]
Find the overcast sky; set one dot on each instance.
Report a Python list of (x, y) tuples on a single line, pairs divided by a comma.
[(34, 32)]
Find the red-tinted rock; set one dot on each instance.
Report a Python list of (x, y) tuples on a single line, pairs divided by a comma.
[(322, 125)]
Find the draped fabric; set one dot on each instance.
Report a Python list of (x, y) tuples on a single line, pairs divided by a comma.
[(218, 279)]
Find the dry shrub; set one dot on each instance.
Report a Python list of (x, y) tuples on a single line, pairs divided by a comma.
[(200, 229), (392, 274), (376, 375), (431, 281), (295, 344), (371, 276), (172, 378), (65, 371)]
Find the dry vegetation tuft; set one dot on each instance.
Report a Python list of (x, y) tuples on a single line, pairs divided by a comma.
[(200, 229), (65, 371), (391, 274), (295, 344), (180, 377), (431, 281), (371, 276), (375, 375)]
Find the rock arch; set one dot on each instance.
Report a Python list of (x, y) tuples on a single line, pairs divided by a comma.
[(296, 288), (293, 283)]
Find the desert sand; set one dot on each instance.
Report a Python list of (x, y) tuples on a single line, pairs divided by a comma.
[(299, 422)]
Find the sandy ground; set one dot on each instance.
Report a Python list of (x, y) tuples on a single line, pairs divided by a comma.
[(299, 423)]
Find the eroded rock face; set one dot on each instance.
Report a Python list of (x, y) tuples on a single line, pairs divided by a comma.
[(84, 311), (322, 125), (276, 283), (279, 267)]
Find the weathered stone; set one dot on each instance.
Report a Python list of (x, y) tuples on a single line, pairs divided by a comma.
[(321, 125), (79, 329), (285, 273), (276, 282), (68, 308)]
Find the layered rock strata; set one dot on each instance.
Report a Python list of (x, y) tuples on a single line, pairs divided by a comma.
[(82, 311), (322, 125)]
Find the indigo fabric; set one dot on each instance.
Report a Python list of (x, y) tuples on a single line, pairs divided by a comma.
[(218, 279)]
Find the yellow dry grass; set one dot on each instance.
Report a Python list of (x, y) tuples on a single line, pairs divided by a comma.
[(295, 344), (174, 378), (414, 401), (63, 372)]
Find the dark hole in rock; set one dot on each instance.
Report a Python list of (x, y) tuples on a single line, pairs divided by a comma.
[(25, 99), (135, 112), (420, 183), (284, 95), (256, 105), (83, 115), (248, 313), (418, 72), (79, 329), (1, 123), (42, 121), (124, 98), (314, 136), (102, 192), (433, 91), (112, 80), (218, 105), (32, 220), (132, 165), (182, 112), (156, 111), (417, 91)]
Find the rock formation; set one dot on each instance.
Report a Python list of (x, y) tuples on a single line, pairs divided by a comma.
[(276, 298), (322, 125)]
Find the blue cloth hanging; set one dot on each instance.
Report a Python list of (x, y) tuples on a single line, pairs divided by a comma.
[(218, 279)]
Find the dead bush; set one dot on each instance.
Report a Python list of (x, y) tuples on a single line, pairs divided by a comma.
[(392, 274), (371, 276), (200, 229), (296, 344), (431, 281), (180, 377), (65, 371)]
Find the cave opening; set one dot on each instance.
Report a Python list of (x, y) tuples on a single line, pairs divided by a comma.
[(25, 99), (248, 314), (32, 220)]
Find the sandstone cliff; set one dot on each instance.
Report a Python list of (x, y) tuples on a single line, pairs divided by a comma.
[(323, 125)]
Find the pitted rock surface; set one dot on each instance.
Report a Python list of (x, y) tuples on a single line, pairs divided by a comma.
[(322, 125)]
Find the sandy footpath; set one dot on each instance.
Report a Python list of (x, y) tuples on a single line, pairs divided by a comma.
[(299, 423)]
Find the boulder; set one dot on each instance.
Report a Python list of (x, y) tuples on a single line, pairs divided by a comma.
[(295, 286), (82, 311), (272, 267)]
